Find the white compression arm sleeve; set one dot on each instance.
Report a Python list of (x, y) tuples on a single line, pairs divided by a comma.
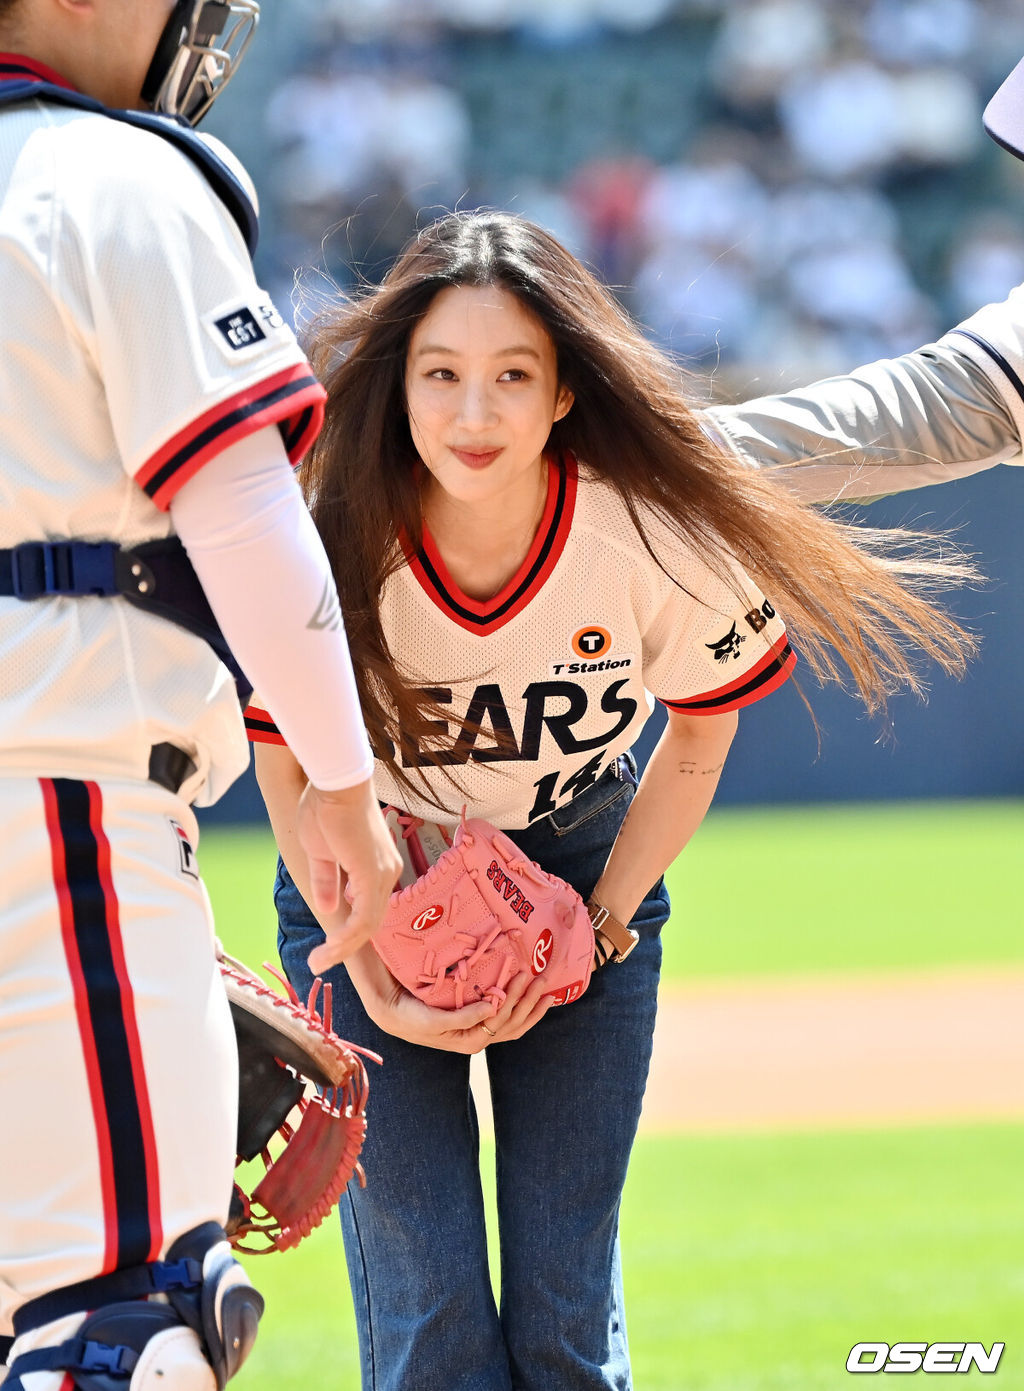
[(259, 558)]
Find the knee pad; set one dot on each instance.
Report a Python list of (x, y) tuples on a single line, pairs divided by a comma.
[(124, 1347), (225, 1310), (194, 1337)]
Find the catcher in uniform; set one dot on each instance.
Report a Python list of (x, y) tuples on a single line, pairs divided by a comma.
[(945, 411), (151, 400), (522, 508)]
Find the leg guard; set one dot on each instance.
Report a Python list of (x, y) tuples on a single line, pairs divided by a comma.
[(226, 1309), (124, 1347), (194, 1339)]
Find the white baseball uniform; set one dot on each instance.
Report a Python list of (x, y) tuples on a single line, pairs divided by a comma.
[(135, 345), (553, 678), (944, 411)]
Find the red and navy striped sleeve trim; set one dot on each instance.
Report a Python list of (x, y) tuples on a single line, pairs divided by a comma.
[(260, 728), (108, 1028), (293, 400), (548, 544), (768, 675), (15, 68)]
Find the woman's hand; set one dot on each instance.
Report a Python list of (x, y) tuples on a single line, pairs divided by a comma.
[(468, 1030)]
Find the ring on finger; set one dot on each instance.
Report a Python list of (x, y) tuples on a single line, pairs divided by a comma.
[(488, 1031)]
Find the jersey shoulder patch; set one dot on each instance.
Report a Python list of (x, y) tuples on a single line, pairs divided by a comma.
[(243, 329)]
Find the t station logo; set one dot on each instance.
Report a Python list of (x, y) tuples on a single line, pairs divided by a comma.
[(593, 646), (591, 643)]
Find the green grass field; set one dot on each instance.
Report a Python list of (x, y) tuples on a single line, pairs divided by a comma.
[(755, 1262), (862, 888)]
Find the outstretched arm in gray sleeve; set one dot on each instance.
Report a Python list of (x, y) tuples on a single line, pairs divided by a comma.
[(943, 412)]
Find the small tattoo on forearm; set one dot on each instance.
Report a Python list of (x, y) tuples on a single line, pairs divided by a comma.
[(691, 769)]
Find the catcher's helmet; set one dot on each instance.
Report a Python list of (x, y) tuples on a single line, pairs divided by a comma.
[(1004, 115), (198, 54)]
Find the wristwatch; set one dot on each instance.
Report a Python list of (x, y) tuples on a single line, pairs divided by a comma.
[(613, 940)]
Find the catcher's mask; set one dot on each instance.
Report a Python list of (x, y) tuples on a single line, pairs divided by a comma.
[(1004, 115), (198, 54)]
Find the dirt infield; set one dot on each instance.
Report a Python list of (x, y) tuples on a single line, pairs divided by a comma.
[(864, 1051), (850, 1051)]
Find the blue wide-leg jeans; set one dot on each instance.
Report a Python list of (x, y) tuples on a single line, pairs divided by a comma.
[(566, 1099)]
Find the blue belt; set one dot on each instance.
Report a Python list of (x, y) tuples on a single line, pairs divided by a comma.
[(39, 568), (156, 576)]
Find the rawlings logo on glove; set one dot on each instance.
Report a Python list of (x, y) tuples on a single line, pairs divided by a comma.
[(459, 929)]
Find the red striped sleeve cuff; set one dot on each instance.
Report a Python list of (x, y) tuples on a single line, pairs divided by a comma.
[(260, 728), (293, 400), (768, 675)]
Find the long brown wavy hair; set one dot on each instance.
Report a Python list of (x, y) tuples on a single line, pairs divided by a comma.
[(854, 598)]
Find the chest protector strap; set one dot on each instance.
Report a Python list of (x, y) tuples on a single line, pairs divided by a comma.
[(221, 178)]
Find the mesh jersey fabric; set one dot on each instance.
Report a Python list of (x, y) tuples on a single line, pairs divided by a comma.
[(559, 669)]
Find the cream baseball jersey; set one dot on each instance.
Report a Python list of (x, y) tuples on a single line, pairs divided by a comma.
[(130, 308), (554, 677)]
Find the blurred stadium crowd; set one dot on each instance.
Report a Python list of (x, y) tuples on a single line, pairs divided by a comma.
[(781, 187)]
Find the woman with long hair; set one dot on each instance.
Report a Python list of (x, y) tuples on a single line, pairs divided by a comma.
[(532, 537)]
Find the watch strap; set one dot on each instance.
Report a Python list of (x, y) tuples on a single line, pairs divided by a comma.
[(613, 940)]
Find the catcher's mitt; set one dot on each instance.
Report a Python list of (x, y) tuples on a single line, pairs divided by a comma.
[(482, 913), (297, 1080)]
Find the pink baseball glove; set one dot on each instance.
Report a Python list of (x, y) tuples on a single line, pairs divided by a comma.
[(477, 917)]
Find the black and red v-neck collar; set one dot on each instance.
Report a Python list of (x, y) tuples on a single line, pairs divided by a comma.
[(16, 68), (483, 617)]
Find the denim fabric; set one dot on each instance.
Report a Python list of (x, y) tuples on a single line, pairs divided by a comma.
[(566, 1101)]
